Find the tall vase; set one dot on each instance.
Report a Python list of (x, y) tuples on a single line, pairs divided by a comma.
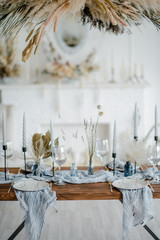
[(90, 168)]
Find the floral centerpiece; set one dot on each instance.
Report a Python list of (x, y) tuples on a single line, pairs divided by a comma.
[(8, 65), (91, 132), (60, 68)]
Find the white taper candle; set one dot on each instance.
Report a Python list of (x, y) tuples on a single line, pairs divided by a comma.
[(4, 129), (52, 138), (24, 131), (135, 121), (156, 122), (114, 137)]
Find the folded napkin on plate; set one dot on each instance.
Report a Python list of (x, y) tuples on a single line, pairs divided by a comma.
[(35, 205), (118, 164), (137, 208)]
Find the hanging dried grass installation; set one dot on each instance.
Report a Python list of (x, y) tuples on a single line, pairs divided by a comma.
[(110, 15)]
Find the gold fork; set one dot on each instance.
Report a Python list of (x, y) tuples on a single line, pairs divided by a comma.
[(150, 186), (50, 186), (10, 187), (13, 181), (110, 185)]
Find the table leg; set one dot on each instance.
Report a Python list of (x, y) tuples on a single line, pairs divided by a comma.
[(147, 228), (17, 231)]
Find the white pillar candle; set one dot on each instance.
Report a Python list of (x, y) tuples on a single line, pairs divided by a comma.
[(135, 121), (123, 71), (156, 122), (51, 133), (135, 69), (112, 59), (4, 129), (142, 71), (114, 137), (105, 70), (24, 132)]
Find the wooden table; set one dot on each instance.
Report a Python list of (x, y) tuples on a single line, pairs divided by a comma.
[(91, 191)]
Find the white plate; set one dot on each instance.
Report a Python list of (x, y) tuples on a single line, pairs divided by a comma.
[(126, 183), (30, 185)]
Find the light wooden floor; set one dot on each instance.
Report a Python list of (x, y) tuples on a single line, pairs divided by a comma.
[(78, 220)]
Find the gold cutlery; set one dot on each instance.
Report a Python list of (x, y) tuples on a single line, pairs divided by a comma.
[(110, 185), (10, 187), (150, 186), (13, 181), (50, 186), (19, 170), (106, 168)]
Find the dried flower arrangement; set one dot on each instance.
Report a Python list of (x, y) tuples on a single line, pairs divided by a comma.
[(41, 145), (60, 69), (91, 132), (8, 67), (133, 151), (111, 15)]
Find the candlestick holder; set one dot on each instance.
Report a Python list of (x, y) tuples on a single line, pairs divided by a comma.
[(5, 160), (135, 164), (156, 140), (114, 163), (24, 150), (53, 158)]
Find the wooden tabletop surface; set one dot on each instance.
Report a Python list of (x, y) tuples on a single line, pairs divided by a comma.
[(90, 191)]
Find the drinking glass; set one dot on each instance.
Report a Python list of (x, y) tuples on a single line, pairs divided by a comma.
[(9, 153), (102, 149), (154, 154), (60, 158)]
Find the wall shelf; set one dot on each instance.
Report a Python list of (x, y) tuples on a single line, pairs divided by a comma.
[(72, 86)]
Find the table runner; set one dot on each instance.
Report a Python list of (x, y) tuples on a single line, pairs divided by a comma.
[(35, 205)]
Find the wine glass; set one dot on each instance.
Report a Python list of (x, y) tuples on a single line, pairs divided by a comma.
[(9, 153), (60, 158), (154, 154), (102, 149)]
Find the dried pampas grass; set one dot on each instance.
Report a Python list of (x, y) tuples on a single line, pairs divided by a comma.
[(133, 151), (109, 15)]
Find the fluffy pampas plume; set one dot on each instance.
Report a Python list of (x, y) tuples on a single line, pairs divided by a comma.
[(133, 151)]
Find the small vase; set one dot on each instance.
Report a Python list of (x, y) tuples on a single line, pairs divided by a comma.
[(38, 168), (74, 170), (128, 169), (90, 169)]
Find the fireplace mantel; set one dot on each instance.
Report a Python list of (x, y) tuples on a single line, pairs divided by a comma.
[(71, 103)]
